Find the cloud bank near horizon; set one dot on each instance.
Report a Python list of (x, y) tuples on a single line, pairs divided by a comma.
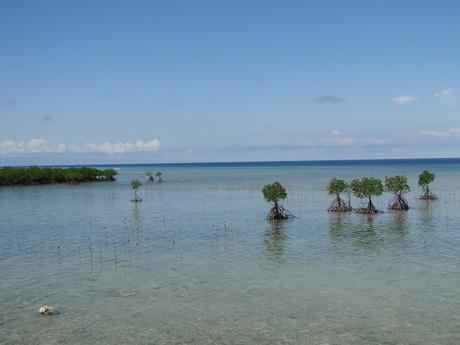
[(333, 139), (451, 132), (39, 145)]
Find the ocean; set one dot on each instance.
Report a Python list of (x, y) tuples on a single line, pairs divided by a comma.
[(197, 263)]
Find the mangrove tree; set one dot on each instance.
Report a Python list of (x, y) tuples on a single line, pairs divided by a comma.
[(274, 193), (367, 187), (336, 187), (158, 175), (398, 186), (424, 179), (135, 184)]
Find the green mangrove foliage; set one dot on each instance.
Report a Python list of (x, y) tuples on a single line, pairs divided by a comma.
[(336, 187), (274, 193), (424, 179), (398, 186), (158, 175), (135, 184), (13, 176), (367, 187)]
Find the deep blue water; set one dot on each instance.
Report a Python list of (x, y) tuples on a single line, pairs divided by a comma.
[(375, 162)]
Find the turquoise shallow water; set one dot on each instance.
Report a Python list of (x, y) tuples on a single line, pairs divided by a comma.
[(196, 263)]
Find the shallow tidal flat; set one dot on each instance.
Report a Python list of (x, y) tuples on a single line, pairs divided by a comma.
[(196, 263)]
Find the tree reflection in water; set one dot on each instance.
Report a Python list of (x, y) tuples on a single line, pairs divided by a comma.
[(400, 227), (136, 215), (369, 233), (337, 224), (353, 234), (365, 235), (426, 214), (274, 241)]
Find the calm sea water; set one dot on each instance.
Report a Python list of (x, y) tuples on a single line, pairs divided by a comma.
[(196, 263)]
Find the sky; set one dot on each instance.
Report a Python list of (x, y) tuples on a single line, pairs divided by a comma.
[(85, 82)]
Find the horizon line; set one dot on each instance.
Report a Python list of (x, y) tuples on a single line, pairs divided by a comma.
[(242, 162)]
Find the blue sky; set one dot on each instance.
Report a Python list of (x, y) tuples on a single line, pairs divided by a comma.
[(193, 81)]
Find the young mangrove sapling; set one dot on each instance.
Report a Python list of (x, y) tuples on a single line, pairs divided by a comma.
[(135, 184)]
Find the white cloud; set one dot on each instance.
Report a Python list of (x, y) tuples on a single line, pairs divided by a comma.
[(401, 100), (454, 131), (37, 145), (336, 138), (31, 146), (447, 97), (61, 148), (342, 141), (444, 93), (436, 134), (107, 147), (375, 141)]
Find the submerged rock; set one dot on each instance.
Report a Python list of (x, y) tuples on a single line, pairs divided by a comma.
[(46, 310)]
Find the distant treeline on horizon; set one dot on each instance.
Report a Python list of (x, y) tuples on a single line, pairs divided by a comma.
[(17, 176)]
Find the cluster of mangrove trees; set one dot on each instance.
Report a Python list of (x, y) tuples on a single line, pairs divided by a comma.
[(150, 177), (363, 188), (136, 184), (369, 187), (15, 176)]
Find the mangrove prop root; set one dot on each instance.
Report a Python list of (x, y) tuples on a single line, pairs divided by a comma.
[(428, 196), (398, 203), (338, 205), (277, 212), (370, 209)]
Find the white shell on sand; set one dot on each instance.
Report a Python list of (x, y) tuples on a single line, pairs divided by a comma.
[(46, 310)]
